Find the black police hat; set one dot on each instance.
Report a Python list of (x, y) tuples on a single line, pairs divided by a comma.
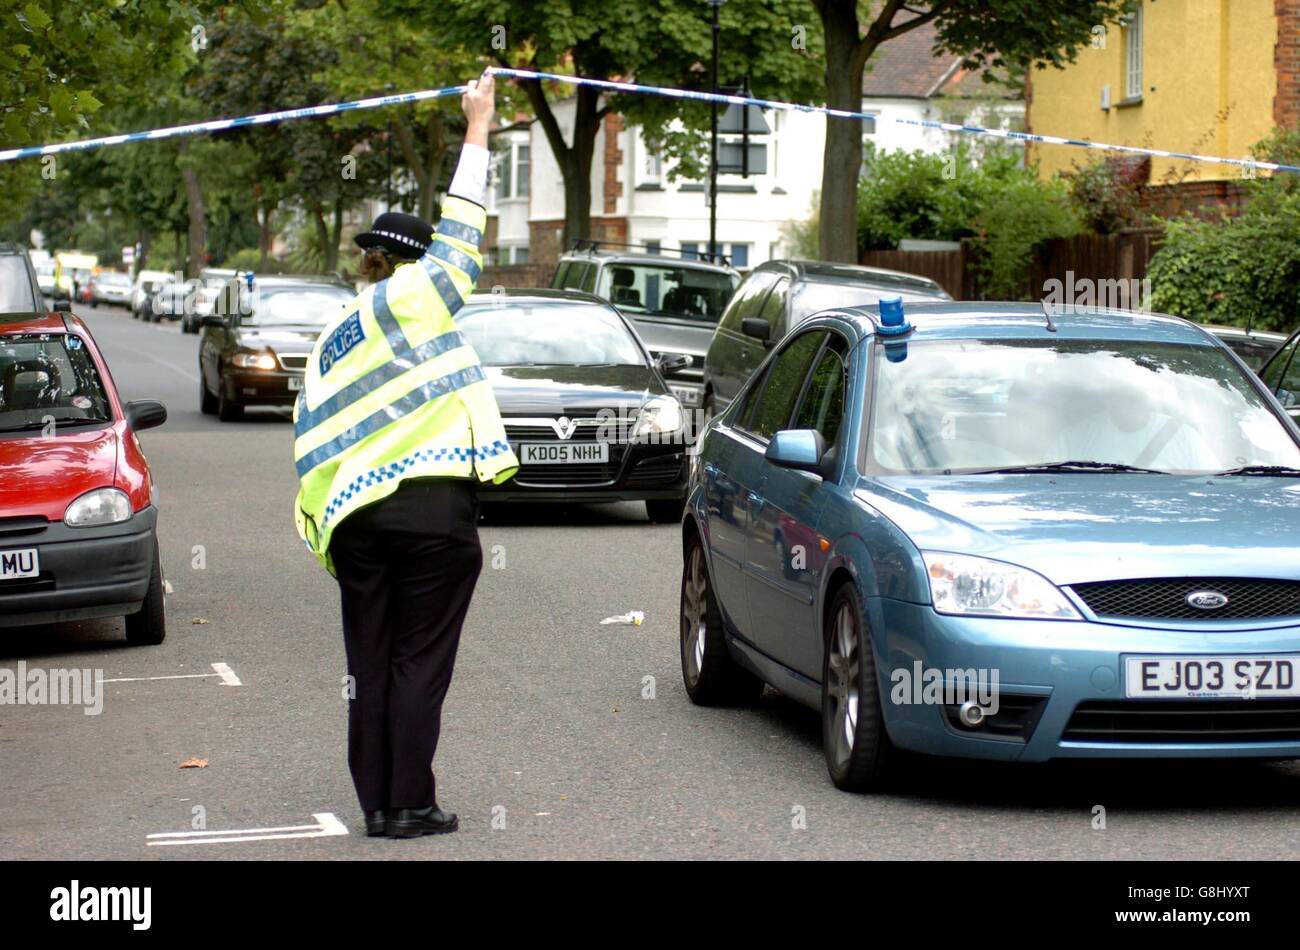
[(402, 235)]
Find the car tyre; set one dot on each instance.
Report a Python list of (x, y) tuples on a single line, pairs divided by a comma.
[(148, 626), (207, 401), (665, 510), (859, 755), (711, 674), (227, 409)]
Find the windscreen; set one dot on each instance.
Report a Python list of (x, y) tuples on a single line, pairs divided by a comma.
[(550, 335), (662, 290), (971, 405), (48, 380)]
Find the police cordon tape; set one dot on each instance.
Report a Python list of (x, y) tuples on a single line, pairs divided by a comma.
[(377, 102)]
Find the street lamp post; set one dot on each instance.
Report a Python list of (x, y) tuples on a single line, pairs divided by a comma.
[(713, 135)]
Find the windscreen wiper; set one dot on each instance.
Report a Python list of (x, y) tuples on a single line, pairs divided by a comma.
[(1285, 471), (1071, 466), (41, 423)]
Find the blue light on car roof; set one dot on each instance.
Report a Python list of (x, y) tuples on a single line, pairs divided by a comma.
[(893, 324)]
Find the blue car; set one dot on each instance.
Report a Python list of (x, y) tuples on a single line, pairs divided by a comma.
[(995, 531)]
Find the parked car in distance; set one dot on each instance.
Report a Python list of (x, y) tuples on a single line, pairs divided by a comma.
[(45, 278), (1018, 542), (1253, 346), (78, 521), (170, 301), (253, 348), (211, 280), (1281, 374), (673, 302), (779, 295), (20, 290), (143, 288), (585, 405), (110, 287)]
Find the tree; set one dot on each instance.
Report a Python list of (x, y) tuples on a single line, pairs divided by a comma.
[(61, 62), (252, 68), (988, 33), (377, 55), (662, 42)]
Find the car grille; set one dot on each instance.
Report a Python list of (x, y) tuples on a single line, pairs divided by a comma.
[(665, 470), (592, 427), (295, 361), (16, 526), (1166, 599), (1185, 721)]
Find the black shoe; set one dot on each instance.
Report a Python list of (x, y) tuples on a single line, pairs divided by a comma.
[(413, 822), (376, 824)]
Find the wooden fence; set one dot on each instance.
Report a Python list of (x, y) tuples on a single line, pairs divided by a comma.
[(1094, 257)]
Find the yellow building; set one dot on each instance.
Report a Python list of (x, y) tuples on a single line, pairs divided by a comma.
[(1204, 76)]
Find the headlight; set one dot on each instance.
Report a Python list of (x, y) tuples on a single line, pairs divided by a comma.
[(248, 360), (960, 584), (660, 416), (99, 507)]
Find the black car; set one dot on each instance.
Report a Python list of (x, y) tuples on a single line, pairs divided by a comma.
[(1281, 375), (586, 408), (779, 295), (19, 290), (254, 347)]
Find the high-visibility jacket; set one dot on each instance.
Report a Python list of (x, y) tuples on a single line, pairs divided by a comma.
[(394, 391)]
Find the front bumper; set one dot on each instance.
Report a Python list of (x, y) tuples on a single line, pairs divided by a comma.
[(263, 387), (636, 471), (1054, 667), (85, 572)]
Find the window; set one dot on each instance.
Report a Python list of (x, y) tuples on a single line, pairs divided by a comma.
[(748, 298), (511, 171), (1133, 56), (740, 255), (977, 405), (16, 294), (520, 255), (781, 385), (548, 334), (651, 165), (666, 290), (46, 376), (822, 407), (522, 162), (774, 308), (1277, 366)]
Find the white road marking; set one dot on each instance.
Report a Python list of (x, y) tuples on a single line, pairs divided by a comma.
[(228, 677), (327, 826), (167, 587)]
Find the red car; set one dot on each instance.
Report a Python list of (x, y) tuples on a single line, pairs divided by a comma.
[(77, 514)]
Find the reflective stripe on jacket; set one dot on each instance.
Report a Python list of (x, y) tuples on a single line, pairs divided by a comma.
[(394, 391)]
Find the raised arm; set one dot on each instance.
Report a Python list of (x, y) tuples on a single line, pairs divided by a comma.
[(453, 260)]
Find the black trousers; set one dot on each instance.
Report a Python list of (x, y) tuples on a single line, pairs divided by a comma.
[(406, 568)]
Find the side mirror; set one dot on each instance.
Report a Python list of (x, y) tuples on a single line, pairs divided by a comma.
[(145, 414), (63, 306), (670, 363), (758, 328), (803, 449)]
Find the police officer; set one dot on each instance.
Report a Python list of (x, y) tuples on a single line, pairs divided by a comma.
[(395, 426)]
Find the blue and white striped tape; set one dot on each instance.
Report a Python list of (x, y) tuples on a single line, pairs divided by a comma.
[(220, 125), (608, 85)]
